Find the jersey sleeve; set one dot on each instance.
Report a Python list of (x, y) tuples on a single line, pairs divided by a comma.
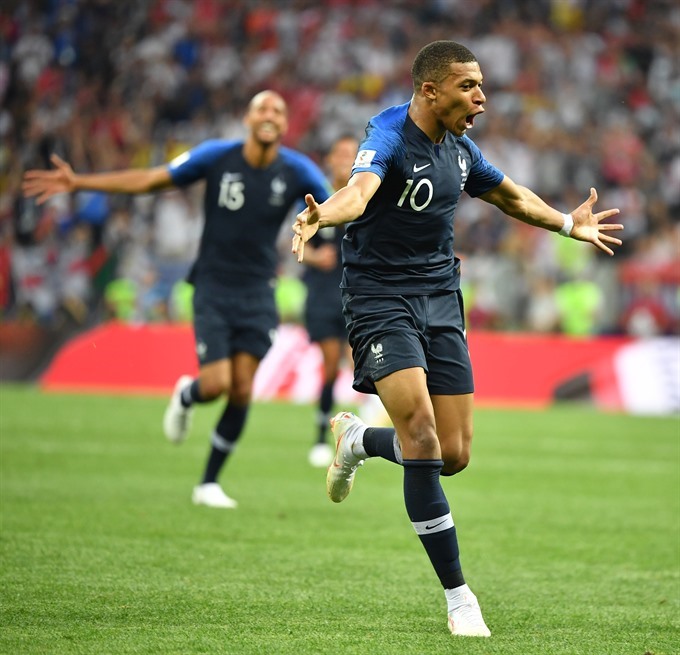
[(192, 165), (371, 158), (483, 176), (377, 150)]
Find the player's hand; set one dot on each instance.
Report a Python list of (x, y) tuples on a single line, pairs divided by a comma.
[(588, 226), (306, 226), (45, 184)]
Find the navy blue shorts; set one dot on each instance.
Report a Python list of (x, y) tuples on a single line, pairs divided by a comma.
[(392, 333), (323, 316), (229, 321)]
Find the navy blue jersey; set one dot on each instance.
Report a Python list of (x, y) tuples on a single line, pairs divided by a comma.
[(319, 281), (244, 208), (403, 242)]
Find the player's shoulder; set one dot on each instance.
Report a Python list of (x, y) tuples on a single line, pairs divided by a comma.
[(294, 157), (468, 144), (385, 133), (297, 160), (206, 151), (220, 146)]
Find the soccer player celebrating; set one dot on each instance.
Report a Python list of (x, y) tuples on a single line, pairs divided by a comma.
[(323, 306), (402, 300), (251, 185)]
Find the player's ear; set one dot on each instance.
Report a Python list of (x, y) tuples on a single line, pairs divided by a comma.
[(429, 90)]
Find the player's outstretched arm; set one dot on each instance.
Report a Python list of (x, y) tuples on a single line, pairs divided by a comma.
[(581, 224), (343, 206), (43, 184)]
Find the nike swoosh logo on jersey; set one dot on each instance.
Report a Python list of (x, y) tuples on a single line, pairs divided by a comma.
[(432, 527), (417, 168)]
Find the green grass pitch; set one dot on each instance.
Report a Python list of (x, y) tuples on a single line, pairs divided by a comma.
[(568, 520)]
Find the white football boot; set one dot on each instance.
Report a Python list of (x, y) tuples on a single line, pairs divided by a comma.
[(210, 494), (465, 615), (177, 418), (347, 429)]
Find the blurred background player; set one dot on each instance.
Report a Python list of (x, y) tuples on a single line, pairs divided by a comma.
[(251, 185), (323, 307), (402, 300)]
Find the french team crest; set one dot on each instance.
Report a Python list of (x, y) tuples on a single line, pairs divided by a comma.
[(278, 190)]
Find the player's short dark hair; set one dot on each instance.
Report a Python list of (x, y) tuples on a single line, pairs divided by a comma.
[(432, 62)]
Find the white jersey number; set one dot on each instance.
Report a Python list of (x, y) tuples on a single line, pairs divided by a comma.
[(413, 194), (231, 194)]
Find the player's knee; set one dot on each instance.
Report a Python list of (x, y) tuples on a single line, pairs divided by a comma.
[(330, 374), (214, 386), (241, 392), (455, 463), (422, 434), (456, 456)]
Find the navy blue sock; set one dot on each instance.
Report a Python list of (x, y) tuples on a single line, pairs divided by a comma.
[(428, 510), (382, 442), (191, 394), (325, 404), (227, 432)]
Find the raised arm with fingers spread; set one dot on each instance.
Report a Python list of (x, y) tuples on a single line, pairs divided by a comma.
[(523, 204), (343, 206), (43, 184)]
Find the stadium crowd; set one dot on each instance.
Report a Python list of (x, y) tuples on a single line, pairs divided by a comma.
[(580, 94)]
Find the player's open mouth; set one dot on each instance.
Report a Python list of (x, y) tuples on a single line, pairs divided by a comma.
[(470, 120), (268, 128)]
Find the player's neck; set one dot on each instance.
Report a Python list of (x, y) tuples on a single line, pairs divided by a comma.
[(260, 155), (425, 120)]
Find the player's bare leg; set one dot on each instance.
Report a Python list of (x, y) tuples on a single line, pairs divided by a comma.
[(417, 419), (453, 416), (233, 379)]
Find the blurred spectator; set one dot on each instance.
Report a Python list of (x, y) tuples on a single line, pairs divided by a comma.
[(177, 225), (580, 304), (543, 311), (120, 299), (32, 261), (92, 208), (645, 315), (32, 52), (74, 272), (181, 307)]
